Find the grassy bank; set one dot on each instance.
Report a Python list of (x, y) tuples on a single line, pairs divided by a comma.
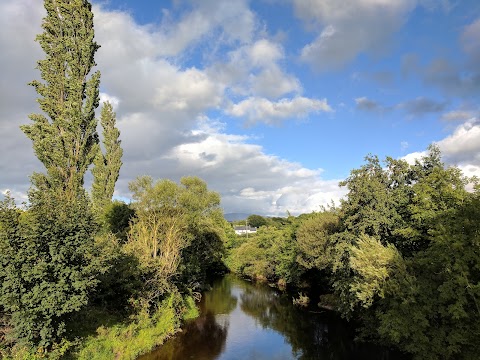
[(119, 339)]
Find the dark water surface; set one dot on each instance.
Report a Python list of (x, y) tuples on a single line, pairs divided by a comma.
[(240, 321)]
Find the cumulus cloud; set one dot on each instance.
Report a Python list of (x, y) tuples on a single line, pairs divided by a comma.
[(114, 101), (461, 148), (414, 156), (263, 110), (266, 183), (272, 82), (347, 28), (161, 103), (226, 21), (264, 52), (254, 70)]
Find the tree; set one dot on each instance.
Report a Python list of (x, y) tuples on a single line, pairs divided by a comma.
[(177, 233), (51, 269), (314, 240), (268, 255), (66, 144), (372, 264), (256, 221), (206, 225), (48, 267), (411, 257), (117, 216), (106, 167), (370, 206)]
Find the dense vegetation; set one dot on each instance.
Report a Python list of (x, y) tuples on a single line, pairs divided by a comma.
[(86, 277), (401, 256), (82, 276)]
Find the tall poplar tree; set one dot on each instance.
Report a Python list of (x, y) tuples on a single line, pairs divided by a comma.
[(106, 166), (64, 140), (52, 268)]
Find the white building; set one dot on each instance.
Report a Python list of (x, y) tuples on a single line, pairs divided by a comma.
[(243, 230)]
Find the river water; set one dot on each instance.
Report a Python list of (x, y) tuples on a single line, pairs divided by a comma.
[(242, 321)]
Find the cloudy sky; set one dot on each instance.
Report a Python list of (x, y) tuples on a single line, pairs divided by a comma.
[(272, 102)]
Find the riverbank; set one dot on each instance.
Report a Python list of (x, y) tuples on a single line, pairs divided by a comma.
[(118, 338)]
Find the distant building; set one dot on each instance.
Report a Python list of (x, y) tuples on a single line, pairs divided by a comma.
[(243, 230)]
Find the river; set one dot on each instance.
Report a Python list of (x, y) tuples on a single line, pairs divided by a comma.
[(239, 321)]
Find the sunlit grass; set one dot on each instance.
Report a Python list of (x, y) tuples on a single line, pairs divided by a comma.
[(128, 341), (116, 339)]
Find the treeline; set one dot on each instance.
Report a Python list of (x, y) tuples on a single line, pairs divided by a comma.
[(82, 276), (400, 256)]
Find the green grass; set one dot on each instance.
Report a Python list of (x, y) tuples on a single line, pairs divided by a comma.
[(128, 341), (191, 310), (115, 339)]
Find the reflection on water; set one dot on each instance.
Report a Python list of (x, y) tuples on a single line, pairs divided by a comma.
[(241, 321)]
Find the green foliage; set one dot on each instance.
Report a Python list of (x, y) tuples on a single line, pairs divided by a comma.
[(48, 265), (177, 235), (315, 241), (106, 167), (66, 144), (372, 264), (120, 276), (256, 221), (128, 341), (401, 255), (206, 227), (190, 310), (268, 255), (410, 257), (49, 268), (433, 312), (117, 217), (370, 205)]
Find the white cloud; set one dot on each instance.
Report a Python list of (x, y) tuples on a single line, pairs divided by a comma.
[(134, 72), (273, 83), (254, 70), (266, 111), (159, 101), (226, 21), (19, 196), (19, 25), (349, 27), (461, 148), (265, 52), (114, 101), (412, 157), (265, 183)]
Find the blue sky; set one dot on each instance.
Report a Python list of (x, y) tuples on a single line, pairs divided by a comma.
[(272, 102)]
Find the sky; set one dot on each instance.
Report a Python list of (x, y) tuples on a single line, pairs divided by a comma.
[(271, 102)]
